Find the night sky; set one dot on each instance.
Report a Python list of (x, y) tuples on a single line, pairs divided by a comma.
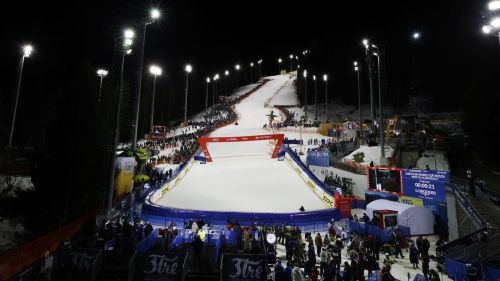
[(455, 58)]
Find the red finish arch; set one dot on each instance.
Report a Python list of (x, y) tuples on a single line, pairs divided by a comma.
[(277, 137)]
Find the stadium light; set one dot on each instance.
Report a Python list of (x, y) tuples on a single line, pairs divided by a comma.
[(156, 71), (416, 35), (188, 69), (155, 14), (493, 5), (27, 50), (101, 73), (495, 22), (487, 29), (237, 67), (325, 77)]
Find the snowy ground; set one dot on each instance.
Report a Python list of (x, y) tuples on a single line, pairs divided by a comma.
[(243, 176), (371, 153)]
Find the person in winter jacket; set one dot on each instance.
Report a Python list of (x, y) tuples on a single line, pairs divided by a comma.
[(296, 274), (315, 274), (324, 258), (326, 241), (194, 227), (319, 243), (414, 256)]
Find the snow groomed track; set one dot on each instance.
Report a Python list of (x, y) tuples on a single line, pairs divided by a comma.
[(243, 182)]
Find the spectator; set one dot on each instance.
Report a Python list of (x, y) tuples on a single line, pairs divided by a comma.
[(319, 243), (414, 256), (198, 248)]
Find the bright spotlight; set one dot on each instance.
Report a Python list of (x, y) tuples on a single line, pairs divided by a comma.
[(314, 77), (129, 51), (127, 42), (355, 63), (102, 72), (251, 64), (155, 14), (208, 79), (495, 22), (27, 50), (356, 68), (226, 72), (416, 35), (188, 68), (279, 60), (494, 5), (365, 42), (325, 77), (155, 70), (129, 33), (305, 73), (237, 67), (486, 29)]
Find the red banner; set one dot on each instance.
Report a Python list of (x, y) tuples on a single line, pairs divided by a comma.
[(343, 204), (277, 137)]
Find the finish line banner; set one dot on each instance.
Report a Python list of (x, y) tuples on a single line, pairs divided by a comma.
[(425, 184)]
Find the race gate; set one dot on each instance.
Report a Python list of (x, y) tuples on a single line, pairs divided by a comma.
[(277, 137)]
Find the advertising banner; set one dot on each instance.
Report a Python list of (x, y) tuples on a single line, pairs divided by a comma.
[(411, 201), (160, 266), (124, 176), (84, 263), (243, 267), (425, 184)]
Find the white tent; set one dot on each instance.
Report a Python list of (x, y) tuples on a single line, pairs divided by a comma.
[(419, 219)]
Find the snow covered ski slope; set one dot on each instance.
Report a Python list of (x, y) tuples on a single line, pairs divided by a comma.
[(243, 177)]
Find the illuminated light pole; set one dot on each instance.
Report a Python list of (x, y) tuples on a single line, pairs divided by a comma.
[(358, 70), (156, 71), (237, 68), (27, 50), (315, 99), (206, 95), (369, 62), (291, 63), (260, 68), (383, 160), (251, 69), (188, 70), (101, 73), (279, 66), (153, 17), (494, 25), (226, 73), (214, 88), (125, 49), (325, 78), (305, 92)]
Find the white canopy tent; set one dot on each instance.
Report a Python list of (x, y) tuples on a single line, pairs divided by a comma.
[(420, 220)]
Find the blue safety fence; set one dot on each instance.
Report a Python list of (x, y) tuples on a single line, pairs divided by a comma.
[(318, 158), (310, 174), (156, 213), (147, 242), (384, 236)]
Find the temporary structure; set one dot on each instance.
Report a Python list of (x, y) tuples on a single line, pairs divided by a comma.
[(420, 220)]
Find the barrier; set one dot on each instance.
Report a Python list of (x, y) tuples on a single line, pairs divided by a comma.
[(147, 242), (316, 185), (384, 236)]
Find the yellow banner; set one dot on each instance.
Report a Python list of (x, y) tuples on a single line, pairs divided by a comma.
[(124, 178), (411, 201)]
